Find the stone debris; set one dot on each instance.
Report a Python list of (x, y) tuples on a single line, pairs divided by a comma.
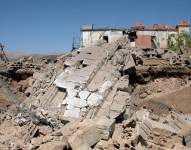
[(108, 96)]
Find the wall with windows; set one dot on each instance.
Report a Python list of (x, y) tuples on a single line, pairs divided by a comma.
[(91, 38)]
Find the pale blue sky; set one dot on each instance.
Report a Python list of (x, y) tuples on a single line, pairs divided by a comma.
[(40, 26)]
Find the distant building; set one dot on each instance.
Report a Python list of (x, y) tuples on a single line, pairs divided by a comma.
[(155, 36), (91, 36)]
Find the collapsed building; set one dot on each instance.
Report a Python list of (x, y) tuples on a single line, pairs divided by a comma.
[(108, 96)]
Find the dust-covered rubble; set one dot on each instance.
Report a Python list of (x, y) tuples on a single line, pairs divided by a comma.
[(109, 96)]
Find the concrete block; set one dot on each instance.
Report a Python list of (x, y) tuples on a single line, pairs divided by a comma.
[(114, 114), (76, 78), (148, 124), (72, 92), (106, 126), (187, 138), (72, 113), (188, 144), (142, 114), (39, 76), (143, 134), (69, 62), (117, 109), (84, 138), (129, 63), (69, 107), (61, 83), (94, 99), (105, 86), (76, 102), (84, 94)]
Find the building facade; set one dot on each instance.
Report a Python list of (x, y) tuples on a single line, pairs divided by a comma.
[(91, 36), (156, 36)]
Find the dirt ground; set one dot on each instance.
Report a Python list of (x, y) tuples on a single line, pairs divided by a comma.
[(163, 95), (179, 100), (3, 102)]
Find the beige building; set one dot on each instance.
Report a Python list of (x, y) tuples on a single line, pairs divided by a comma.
[(155, 36), (91, 36)]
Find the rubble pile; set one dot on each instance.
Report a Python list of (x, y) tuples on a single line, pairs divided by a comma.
[(110, 96)]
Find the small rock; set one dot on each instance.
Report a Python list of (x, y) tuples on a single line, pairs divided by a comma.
[(57, 134), (143, 95), (8, 117)]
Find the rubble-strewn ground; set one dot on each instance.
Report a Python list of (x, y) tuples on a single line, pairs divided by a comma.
[(164, 91), (105, 97)]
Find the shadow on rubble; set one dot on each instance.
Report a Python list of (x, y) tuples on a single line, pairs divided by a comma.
[(151, 73)]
